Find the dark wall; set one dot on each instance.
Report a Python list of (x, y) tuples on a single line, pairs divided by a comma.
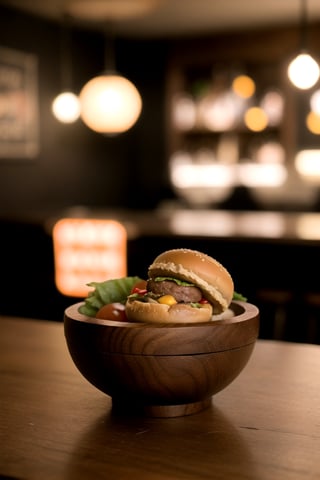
[(76, 166)]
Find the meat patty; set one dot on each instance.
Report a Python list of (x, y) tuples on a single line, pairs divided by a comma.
[(179, 292)]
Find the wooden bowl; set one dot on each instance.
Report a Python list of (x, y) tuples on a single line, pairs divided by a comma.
[(162, 370)]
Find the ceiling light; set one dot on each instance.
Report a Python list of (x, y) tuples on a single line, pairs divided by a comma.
[(66, 106), (110, 104), (303, 70)]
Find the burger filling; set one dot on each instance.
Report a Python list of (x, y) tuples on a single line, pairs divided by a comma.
[(181, 291), (161, 287)]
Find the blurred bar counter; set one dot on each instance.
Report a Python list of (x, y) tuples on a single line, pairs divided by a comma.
[(273, 257), (265, 226)]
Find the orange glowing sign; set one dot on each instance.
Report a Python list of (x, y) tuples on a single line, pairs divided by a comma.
[(88, 250)]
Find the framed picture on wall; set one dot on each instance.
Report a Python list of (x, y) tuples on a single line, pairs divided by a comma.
[(19, 116)]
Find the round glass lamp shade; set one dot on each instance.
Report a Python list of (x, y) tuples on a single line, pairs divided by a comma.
[(303, 71), (110, 104), (66, 107)]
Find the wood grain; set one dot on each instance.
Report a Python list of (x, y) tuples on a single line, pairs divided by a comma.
[(155, 368), (165, 339)]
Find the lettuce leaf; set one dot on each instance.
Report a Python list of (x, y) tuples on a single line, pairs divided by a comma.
[(109, 291), (238, 296), (182, 283)]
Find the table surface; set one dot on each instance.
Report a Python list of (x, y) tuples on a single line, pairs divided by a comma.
[(55, 425)]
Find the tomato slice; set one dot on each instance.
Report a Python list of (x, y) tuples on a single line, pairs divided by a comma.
[(140, 287), (112, 311), (140, 291), (203, 301)]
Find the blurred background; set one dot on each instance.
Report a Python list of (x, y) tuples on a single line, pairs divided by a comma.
[(214, 145)]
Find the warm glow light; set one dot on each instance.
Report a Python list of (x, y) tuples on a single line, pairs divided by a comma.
[(313, 122), (270, 152), (243, 86), (184, 176), (303, 71), (66, 107), (87, 250), (273, 104), (307, 163), (262, 224), (200, 183), (184, 112), (217, 223), (315, 102), (218, 112), (262, 175), (308, 226), (256, 119), (110, 104), (211, 223)]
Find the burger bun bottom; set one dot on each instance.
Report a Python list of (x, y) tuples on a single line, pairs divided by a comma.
[(137, 311)]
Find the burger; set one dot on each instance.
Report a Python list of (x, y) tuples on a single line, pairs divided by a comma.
[(183, 286)]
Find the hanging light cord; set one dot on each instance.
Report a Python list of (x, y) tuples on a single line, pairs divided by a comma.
[(303, 25), (65, 54), (109, 59)]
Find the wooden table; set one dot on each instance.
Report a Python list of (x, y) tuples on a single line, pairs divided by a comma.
[(55, 425)]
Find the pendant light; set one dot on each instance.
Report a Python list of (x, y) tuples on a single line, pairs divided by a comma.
[(110, 103), (303, 70), (66, 105)]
